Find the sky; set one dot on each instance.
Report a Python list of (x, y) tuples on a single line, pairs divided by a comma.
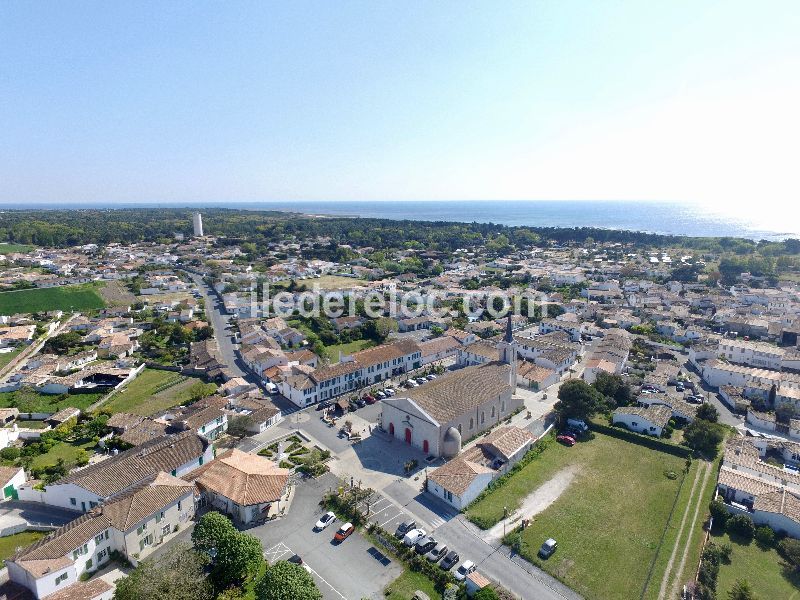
[(689, 101)]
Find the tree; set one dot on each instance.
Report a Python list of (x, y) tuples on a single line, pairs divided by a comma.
[(210, 530), (239, 558), (286, 581), (178, 575), (486, 593), (741, 525), (577, 399), (789, 548), (614, 387), (201, 390), (765, 536), (238, 426), (741, 591), (719, 513), (704, 437), (707, 412)]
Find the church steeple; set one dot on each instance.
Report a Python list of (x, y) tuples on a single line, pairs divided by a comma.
[(508, 353)]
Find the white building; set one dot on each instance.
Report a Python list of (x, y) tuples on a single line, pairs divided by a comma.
[(197, 222), (649, 420)]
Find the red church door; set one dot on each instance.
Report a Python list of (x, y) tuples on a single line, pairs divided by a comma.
[(425, 446), (408, 435), (391, 428)]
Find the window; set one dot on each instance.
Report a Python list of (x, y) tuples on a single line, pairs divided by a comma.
[(98, 539), (88, 564), (493, 412), (73, 501), (179, 504), (471, 423), (101, 555), (483, 417), (201, 460), (166, 529), (60, 578), (449, 496), (503, 406), (140, 529)]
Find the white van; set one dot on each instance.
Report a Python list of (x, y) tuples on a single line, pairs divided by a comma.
[(271, 388), (579, 424)]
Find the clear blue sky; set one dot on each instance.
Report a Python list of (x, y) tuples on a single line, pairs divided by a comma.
[(202, 101)]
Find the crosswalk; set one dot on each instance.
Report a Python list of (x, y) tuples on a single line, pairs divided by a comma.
[(388, 515)]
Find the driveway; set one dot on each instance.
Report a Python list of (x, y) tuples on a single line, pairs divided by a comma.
[(351, 570)]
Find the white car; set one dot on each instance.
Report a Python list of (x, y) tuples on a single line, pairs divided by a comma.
[(324, 521), (412, 537), (465, 569)]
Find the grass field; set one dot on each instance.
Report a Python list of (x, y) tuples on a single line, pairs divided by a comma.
[(608, 522), (332, 352), (69, 452), (403, 587), (152, 392), (11, 248), (765, 570), (27, 400), (10, 543), (7, 357), (71, 297)]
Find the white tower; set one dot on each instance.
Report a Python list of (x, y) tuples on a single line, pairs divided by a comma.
[(508, 353), (197, 221)]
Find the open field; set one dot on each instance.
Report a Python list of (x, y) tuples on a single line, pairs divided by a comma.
[(68, 451), (114, 293), (12, 248), (7, 357), (332, 352), (403, 587), (70, 297), (10, 543), (764, 569), (152, 392), (28, 400), (332, 282), (608, 522)]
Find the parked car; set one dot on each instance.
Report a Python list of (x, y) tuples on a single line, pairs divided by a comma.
[(465, 569), (324, 521), (572, 432), (371, 399), (548, 548), (380, 396), (389, 391), (425, 545), (449, 561), (437, 552), (361, 403), (421, 380), (411, 383), (680, 388), (431, 377), (404, 528), (324, 404), (294, 558), (579, 424), (344, 532), (413, 536), (567, 440)]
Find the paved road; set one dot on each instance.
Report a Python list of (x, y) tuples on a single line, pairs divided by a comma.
[(13, 512), (351, 570)]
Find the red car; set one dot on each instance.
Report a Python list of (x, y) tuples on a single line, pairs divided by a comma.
[(344, 532), (370, 399), (567, 440)]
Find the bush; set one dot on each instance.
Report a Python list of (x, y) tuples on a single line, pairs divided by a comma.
[(765, 536), (719, 513), (741, 525), (10, 453)]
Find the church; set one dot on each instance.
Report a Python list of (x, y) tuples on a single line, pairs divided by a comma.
[(439, 416)]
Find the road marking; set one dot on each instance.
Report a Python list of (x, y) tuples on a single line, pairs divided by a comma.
[(323, 580), (282, 549), (392, 519)]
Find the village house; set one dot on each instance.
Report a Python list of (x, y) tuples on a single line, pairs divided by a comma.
[(650, 420)]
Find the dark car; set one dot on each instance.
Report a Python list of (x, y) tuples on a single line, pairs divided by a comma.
[(548, 548), (450, 561), (324, 404), (404, 528), (425, 545), (295, 559), (361, 403)]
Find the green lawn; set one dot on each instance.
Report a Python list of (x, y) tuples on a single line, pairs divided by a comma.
[(7, 357), (151, 392), (69, 452), (332, 352), (12, 248), (10, 543), (71, 297), (765, 570), (403, 587), (27, 400), (608, 522)]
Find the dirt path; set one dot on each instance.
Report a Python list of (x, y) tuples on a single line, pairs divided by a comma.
[(696, 500), (535, 502)]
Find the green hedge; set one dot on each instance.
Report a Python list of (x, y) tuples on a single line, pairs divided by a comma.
[(642, 440)]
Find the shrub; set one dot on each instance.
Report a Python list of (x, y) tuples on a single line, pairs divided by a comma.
[(10, 453), (719, 513), (765, 536), (741, 525)]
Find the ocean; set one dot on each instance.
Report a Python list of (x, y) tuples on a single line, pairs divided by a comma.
[(652, 217)]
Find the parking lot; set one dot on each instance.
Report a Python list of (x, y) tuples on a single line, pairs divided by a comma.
[(351, 569)]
